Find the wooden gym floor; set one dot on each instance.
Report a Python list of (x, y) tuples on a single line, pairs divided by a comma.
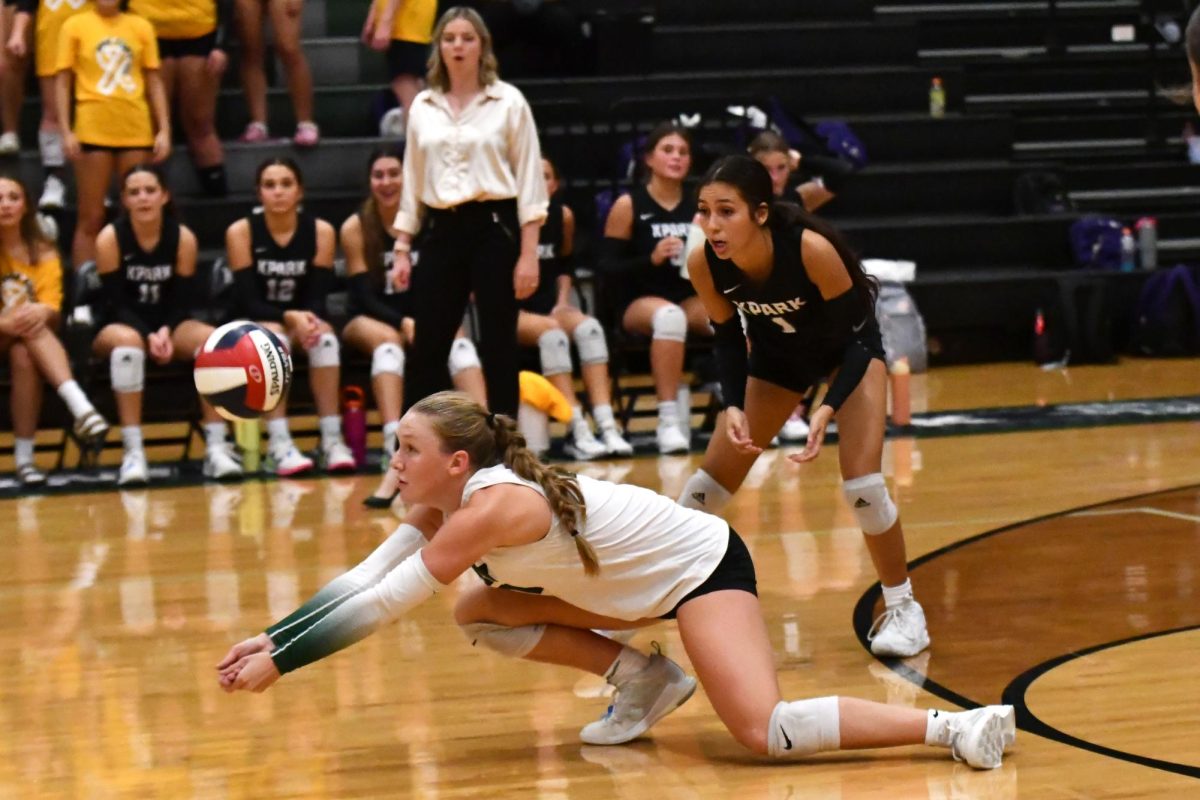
[(1060, 570)]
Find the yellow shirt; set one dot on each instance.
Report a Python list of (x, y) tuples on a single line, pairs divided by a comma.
[(109, 56), (51, 14), (31, 283), (413, 21), (178, 19)]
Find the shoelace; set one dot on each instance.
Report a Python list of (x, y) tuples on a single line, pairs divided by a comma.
[(896, 614)]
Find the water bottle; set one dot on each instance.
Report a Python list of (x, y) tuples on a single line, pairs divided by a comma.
[(354, 423), (1128, 251), (937, 99), (1147, 235), (249, 440)]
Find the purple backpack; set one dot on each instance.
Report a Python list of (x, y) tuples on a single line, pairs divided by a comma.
[(1096, 242)]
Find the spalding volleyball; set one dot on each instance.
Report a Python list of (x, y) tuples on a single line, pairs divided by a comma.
[(244, 370)]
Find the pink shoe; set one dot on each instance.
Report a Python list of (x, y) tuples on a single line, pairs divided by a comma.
[(307, 135), (255, 133)]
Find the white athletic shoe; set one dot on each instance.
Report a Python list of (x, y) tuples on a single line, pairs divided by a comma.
[(285, 459), (795, 429), (90, 426), (584, 445), (981, 737), (615, 444), (899, 632), (54, 194), (30, 475), (336, 457), (220, 463), (671, 440), (134, 469), (10, 144), (641, 701)]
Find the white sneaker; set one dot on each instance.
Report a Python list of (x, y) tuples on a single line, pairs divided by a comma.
[(392, 125), (285, 459), (10, 144), (981, 737), (30, 475), (91, 427), (641, 701), (220, 463), (899, 632), (671, 440), (584, 445), (134, 469), (615, 443), (336, 457), (795, 429), (54, 193)]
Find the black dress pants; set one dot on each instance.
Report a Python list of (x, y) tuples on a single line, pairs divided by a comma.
[(471, 248)]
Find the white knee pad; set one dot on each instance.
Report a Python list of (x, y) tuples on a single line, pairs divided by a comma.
[(512, 642), (669, 323), (590, 342), (388, 359), (325, 353), (702, 492), (868, 497), (127, 369), (804, 727), (50, 144), (463, 356), (555, 352)]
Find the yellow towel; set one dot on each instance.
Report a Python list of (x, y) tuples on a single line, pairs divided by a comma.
[(541, 394)]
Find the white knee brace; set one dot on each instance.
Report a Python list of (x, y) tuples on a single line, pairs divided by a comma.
[(127, 369), (512, 642), (702, 492), (325, 353), (50, 143), (804, 727), (388, 359), (669, 323), (462, 356), (555, 352), (590, 342), (868, 498)]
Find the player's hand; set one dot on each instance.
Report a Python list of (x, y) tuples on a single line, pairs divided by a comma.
[(254, 673), (17, 47), (247, 647), (162, 146), (381, 39), (816, 435), (71, 146), (161, 348), (737, 428), (666, 250), (525, 276), (401, 272)]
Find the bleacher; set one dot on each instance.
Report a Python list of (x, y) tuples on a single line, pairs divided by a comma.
[(1030, 85)]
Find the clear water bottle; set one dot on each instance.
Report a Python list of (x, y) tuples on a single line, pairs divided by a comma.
[(1128, 251), (1147, 236), (937, 99)]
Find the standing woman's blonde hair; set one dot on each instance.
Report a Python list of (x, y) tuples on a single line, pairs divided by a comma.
[(491, 439), (489, 69)]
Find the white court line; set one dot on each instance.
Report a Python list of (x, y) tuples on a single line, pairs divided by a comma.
[(1158, 512)]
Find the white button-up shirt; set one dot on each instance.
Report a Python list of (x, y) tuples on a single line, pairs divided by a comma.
[(488, 151)]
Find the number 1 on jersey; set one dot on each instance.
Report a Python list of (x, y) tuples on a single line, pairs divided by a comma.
[(783, 323)]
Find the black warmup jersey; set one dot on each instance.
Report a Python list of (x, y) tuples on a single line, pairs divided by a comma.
[(380, 299), (790, 338), (551, 263), (146, 277), (652, 223), (283, 273)]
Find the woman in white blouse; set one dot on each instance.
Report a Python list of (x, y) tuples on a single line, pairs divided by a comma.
[(473, 189)]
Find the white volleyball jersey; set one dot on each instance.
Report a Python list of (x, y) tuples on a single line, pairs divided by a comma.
[(652, 552)]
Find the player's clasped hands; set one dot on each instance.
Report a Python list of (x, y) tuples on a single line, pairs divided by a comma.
[(817, 424), (248, 666)]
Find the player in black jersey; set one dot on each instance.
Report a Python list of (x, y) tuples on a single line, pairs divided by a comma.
[(147, 266), (547, 318), (644, 240), (381, 317), (809, 313), (282, 261)]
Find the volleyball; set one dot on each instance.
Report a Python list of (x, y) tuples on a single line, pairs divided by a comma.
[(244, 370)]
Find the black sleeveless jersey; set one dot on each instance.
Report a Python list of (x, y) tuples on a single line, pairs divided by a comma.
[(551, 264), (652, 223), (785, 319), (282, 273), (147, 276), (382, 284)]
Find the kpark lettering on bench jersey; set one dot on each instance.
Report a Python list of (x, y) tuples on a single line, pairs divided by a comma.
[(291, 268), (770, 309), (546, 250), (149, 274), (662, 230)]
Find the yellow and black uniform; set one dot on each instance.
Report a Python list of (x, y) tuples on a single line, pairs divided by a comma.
[(51, 14), (31, 283), (109, 57), (412, 31), (185, 27)]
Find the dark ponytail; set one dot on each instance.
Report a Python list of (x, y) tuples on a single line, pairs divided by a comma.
[(753, 183)]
